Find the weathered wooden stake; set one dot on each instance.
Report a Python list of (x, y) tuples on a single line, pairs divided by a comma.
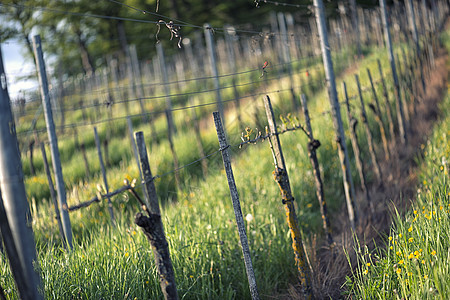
[(152, 226), (57, 169), (398, 97), (388, 104), (313, 144), (404, 101), (375, 165), (53, 194), (212, 57), (133, 145), (409, 73), (236, 205), (31, 148), (174, 154), (282, 178), (237, 103), (163, 71), (15, 223), (85, 159), (198, 138), (352, 122), (379, 117), (336, 114), (6, 236), (105, 180)]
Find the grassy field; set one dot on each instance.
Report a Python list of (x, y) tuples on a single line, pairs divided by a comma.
[(116, 262)]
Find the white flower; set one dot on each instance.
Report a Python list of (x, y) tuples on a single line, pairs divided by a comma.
[(249, 218)]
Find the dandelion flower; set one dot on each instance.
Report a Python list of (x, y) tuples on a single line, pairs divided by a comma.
[(249, 218), (410, 229), (368, 264), (398, 271), (433, 252)]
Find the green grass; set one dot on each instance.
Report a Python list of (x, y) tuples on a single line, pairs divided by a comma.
[(412, 262), (199, 222)]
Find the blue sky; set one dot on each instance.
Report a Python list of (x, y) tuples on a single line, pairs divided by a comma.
[(17, 65)]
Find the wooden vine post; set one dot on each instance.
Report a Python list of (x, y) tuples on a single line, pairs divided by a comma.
[(163, 71), (56, 161), (105, 180), (313, 144), (85, 160), (170, 130), (198, 139), (236, 205), (133, 145), (282, 178), (25, 290), (53, 194), (152, 225), (407, 87), (352, 122), (388, 104), (379, 117), (336, 115), (212, 58), (375, 165)]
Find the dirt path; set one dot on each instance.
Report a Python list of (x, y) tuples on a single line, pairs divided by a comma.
[(398, 190)]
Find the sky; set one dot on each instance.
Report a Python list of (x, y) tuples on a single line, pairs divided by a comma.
[(16, 65)]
